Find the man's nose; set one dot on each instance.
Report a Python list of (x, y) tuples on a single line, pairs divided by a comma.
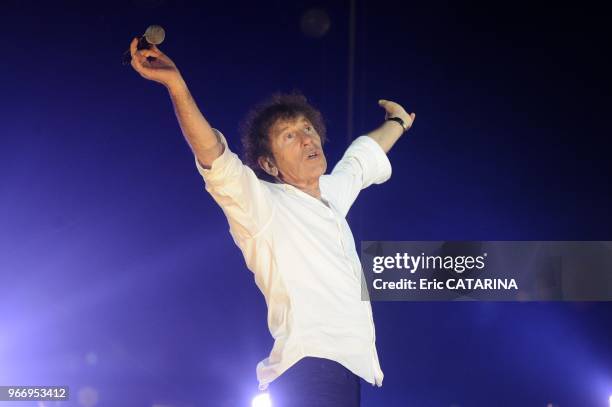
[(306, 137)]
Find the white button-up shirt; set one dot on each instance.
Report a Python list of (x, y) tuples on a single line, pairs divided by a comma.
[(302, 254)]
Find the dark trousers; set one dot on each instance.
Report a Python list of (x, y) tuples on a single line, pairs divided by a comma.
[(316, 382)]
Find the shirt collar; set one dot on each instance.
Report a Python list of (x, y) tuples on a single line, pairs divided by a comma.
[(298, 192)]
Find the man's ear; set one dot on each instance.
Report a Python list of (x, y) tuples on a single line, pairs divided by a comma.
[(268, 165)]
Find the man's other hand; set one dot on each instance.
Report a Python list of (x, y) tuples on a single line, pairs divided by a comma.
[(393, 109)]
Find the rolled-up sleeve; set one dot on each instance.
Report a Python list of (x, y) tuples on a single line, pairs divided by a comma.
[(364, 163), (245, 201)]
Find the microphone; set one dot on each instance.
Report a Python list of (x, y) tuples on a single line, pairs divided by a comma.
[(154, 35)]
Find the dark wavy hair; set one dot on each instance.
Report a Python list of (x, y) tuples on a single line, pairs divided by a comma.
[(256, 127)]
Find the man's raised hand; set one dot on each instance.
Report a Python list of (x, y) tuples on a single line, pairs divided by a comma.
[(161, 69), (393, 109)]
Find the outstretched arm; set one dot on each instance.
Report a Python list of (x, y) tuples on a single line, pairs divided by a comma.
[(390, 131), (199, 135)]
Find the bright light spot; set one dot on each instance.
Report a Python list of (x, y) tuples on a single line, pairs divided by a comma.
[(610, 400), (262, 400)]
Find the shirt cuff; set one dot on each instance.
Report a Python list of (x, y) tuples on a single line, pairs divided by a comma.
[(373, 159)]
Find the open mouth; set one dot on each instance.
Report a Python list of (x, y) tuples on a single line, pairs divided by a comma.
[(312, 156)]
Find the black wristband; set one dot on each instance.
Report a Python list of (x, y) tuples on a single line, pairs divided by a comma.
[(400, 121)]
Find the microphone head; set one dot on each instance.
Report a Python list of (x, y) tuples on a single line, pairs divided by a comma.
[(155, 34)]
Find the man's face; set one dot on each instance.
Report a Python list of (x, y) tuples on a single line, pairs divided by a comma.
[(297, 151)]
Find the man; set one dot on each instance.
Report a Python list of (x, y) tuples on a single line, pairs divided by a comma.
[(288, 219)]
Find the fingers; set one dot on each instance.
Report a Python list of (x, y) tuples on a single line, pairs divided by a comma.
[(133, 46), (149, 53), (140, 63), (412, 117), (393, 109), (384, 102), (155, 49), (142, 54), (137, 58), (389, 105), (137, 64)]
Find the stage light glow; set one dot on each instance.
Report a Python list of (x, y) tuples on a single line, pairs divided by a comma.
[(262, 400), (610, 400)]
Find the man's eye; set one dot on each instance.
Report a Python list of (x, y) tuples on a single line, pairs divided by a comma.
[(289, 135)]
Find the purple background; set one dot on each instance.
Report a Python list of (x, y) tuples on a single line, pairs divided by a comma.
[(117, 271)]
